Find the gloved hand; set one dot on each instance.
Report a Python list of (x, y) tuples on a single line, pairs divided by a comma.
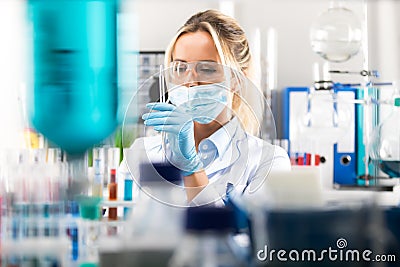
[(178, 126)]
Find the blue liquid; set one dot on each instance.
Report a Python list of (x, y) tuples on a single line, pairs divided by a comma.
[(390, 167), (128, 187), (75, 93)]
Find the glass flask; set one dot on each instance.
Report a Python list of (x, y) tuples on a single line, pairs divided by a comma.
[(385, 145), (336, 34), (74, 101)]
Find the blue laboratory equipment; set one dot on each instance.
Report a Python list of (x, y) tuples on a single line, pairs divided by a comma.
[(72, 211), (74, 102), (324, 120)]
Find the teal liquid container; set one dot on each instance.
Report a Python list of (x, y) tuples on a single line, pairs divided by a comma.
[(74, 99)]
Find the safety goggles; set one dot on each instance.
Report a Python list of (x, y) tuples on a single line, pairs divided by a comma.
[(199, 71)]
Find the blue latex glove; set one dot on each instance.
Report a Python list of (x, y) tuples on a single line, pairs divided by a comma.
[(178, 126)]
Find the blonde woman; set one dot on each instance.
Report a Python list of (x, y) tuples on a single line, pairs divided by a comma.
[(207, 125)]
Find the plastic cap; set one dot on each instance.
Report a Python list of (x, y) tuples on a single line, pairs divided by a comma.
[(88, 264), (397, 101), (210, 219)]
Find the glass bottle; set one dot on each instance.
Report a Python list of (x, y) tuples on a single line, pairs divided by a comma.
[(208, 240)]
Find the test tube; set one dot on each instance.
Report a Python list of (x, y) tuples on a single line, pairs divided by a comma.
[(71, 227), (161, 86), (113, 159), (112, 191), (128, 187), (89, 229), (98, 166)]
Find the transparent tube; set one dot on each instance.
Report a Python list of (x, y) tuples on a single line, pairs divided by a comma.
[(89, 234), (89, 229)]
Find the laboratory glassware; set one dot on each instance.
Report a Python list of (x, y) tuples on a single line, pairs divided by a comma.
[(128, 192), (89, 229), (336, 34), (74, 101), (98, 167), (385, 144), (112, 195), (325, 117)]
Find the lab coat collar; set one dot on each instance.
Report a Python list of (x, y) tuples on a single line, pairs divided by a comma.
[(227, 141), (222, 138)]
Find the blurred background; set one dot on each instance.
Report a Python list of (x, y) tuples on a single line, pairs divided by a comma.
[(75, 76), (279, 32)]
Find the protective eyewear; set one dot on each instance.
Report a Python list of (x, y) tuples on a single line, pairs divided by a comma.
[(198, 71)]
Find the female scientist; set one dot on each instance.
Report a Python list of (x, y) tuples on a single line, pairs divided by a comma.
[(206, 125)]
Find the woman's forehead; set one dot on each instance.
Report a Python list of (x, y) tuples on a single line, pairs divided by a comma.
[(195, 46)]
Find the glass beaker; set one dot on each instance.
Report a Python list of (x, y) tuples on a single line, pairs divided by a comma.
[(385, 145)]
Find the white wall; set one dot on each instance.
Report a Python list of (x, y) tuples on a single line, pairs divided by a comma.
[(159, 20), (292, 19), (384, 23)]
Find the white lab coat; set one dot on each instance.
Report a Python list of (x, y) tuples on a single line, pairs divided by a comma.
[(237, 158)]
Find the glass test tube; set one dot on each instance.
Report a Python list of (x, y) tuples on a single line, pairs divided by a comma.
[(89, 229), (128, 187), (112, 190), (98, 165)]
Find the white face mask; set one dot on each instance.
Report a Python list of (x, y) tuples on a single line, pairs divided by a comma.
[(203, 102)]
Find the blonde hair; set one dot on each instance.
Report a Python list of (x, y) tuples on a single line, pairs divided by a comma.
[(233, 49)]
